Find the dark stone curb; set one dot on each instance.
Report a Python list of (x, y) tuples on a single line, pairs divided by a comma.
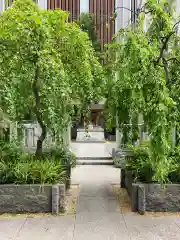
[(90, 141), (32, 198), (95, 162), (151, 197)]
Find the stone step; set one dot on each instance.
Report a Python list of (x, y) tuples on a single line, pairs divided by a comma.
[(94, 162), (91, 141), (95, 158)]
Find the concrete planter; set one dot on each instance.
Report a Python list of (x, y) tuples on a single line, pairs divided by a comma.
[(127, 152), (129, 180), (151, 197), (117, 164), (119, 161), (32, 198), (68, 180), (156, 198), (124, 152)]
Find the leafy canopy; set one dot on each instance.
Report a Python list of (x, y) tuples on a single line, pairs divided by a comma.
[(46, 66), (143, 65)]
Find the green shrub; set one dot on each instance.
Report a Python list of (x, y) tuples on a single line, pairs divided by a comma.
[(32, 172), (18, 167), (174, 155), (140, 164), (68, 159), (10, 151)]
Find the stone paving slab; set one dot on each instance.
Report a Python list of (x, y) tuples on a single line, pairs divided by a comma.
[(99, 190), (9, 227), (95, 226), (95, 175), (47, 228), (178, 221), (97, 205), (149, 228)]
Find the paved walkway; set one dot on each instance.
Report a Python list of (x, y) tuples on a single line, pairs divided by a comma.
[(98, 216), (93, 150)]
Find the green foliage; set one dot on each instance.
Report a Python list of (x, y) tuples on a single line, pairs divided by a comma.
[(19, 167), (145, 81), (141, 165), (68, 159), (10, 152), (26, 171), (87, 24), (47, 66)]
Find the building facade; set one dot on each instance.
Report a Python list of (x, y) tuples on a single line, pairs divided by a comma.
[(106, 26), (103, 11)]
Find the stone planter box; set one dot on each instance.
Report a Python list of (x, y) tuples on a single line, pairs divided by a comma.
[(124, 152), (156, 198), (68, 180), (127, 152), (151, 197), (127, 180), (33, 198), (117, 164)]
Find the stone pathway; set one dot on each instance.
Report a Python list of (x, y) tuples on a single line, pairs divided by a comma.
[(98, 216), (93, 150)]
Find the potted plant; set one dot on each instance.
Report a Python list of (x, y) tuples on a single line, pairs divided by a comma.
[(29, 183)]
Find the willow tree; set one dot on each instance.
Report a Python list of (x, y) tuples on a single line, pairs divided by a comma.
[(84, 72), (43, 67), (87, 24), (143, 74)]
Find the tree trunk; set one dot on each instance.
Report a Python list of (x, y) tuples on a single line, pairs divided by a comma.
[(38, 114)]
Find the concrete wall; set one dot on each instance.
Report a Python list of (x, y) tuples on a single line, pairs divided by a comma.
[(42, 4), (123, 15), (2, 5), (84, 6)]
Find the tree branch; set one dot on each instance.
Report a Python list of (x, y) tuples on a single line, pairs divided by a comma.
[(176, 24), (126, 9), (164, 47), (38, 113), (173, 59), (165, 64)]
